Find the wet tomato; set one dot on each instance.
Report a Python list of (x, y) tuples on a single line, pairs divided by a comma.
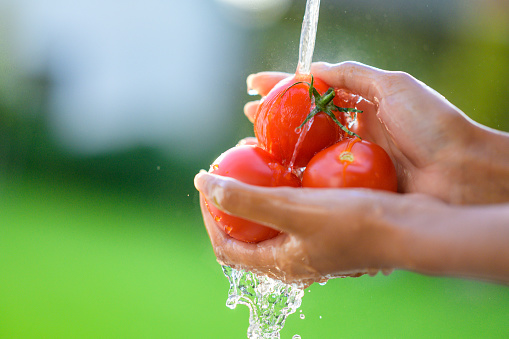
[(251, 165), (351, 163), (282, 112)]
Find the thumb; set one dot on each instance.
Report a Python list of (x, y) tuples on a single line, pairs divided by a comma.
[(263, 82), (358, 78), (278, 207)]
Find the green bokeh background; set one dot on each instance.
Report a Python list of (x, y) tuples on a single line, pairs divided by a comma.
[(113, 246)]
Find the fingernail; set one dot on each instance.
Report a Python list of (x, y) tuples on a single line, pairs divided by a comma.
[(199, 180), (250, 109), (208, 186), (249, 82)]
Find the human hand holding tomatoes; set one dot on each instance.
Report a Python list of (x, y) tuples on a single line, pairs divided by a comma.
[(299, 117), (430, 141), (295, 121), (343, 232), (325, 233), (331, 232)]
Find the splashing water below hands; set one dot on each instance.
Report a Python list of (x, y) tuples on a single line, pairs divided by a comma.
[(269, 301)]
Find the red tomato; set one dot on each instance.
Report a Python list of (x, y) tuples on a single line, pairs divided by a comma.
[(283, 110), (251, 165), (351, 163)]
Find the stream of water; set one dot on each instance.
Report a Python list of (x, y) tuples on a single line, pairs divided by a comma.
[(308, 36), (270, 301)]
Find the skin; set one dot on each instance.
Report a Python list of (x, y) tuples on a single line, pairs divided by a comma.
[(452, 219)]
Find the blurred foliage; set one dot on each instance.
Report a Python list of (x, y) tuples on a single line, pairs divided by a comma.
[(27, 149), (112, 245)]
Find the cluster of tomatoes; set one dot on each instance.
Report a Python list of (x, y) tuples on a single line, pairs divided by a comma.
[(302, 141)]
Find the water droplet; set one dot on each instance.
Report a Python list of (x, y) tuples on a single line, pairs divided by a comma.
[(252, 92), (296, 336), (320, 317), (158, 168), (302, 316)]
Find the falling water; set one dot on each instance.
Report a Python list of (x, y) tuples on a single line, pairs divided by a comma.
[(271, 301), (308, 36)]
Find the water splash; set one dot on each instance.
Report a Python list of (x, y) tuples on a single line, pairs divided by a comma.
[(308, 36), (269, 301)]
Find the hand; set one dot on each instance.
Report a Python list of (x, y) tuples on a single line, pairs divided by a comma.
[(323, 233), (437, 150), (347, 232)]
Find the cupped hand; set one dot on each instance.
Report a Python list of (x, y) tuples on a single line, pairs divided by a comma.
[(347, 232), (326, 232), (425, 135)]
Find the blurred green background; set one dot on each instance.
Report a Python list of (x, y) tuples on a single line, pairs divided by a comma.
[(108, 109)]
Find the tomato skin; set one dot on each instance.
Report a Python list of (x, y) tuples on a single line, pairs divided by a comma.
[(283, 110), (251, 165), (351, 163)]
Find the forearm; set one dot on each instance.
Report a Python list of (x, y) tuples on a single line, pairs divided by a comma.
[(470, 242)]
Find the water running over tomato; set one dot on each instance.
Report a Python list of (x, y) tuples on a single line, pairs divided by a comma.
[(303, 132)]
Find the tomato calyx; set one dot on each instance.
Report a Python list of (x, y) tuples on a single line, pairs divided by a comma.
[(324, 103)]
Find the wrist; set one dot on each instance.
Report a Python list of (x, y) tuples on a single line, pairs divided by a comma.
[(386, 217), (419, 230), (484, 171)]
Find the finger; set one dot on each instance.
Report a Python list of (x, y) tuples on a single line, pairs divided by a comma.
[(278, 207), (238, 254), (248, 141), (401, 100), (271, 257), (371, 83), (263, 82), (356, 77), (223, 244), (250, 109)]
